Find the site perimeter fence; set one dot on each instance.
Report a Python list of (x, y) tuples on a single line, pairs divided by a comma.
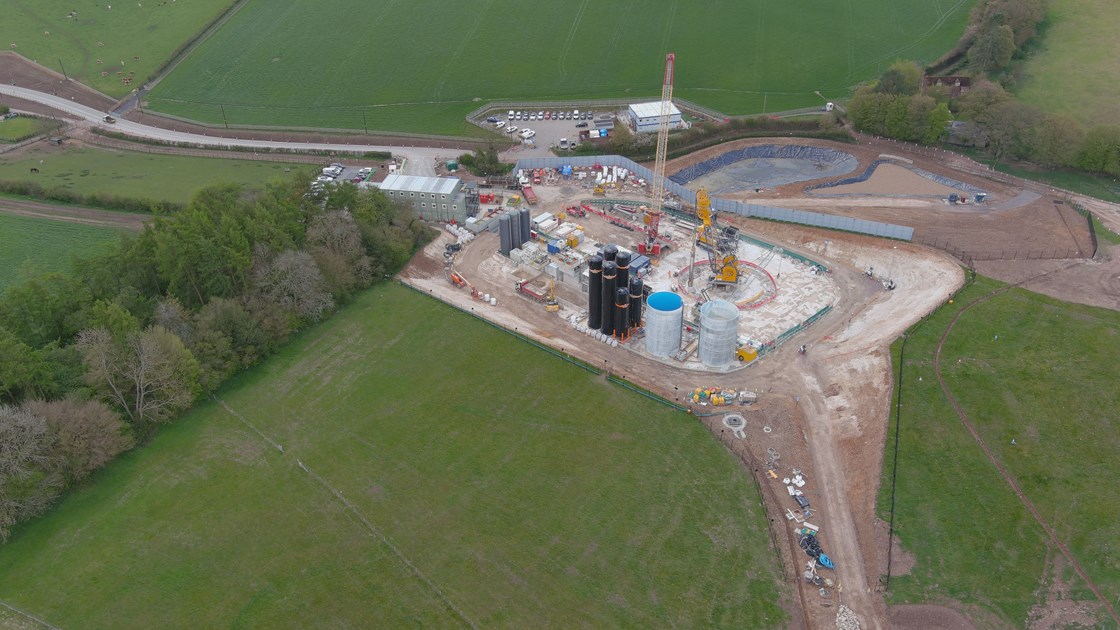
[(340, 124), (580, 363), (685, 216), (490, 108), (969, 280), (749, 210), (771, 346), (1080, 209)]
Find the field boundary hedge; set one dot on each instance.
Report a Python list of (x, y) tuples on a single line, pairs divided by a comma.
[(117, 135), (32, 190)]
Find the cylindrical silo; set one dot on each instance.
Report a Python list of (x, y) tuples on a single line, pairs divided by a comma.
[(610, 252), (514, 229), (623, 260), (636, 288), (610, 271), (505, 237), (621, 312), (595, 292), (719, 333), (526, 225), (664, 316)]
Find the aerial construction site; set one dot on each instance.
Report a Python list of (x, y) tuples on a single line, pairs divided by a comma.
[(773, 334)]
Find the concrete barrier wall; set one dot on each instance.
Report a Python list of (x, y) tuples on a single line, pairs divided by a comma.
[(803, 217)]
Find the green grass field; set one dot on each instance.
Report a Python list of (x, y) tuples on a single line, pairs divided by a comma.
[(1077, 69), (42, 245), (22, 128), (529, 492), (420, 66), (94, 38), (1049, 383), (133, 174)]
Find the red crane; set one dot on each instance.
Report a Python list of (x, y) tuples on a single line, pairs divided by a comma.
[(653, 211)]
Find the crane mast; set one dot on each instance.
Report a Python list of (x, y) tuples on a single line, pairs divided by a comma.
[(653, 213)]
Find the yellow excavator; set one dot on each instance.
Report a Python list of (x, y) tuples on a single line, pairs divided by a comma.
[(551, 304)]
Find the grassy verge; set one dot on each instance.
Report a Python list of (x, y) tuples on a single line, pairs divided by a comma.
[(43, 245), (1025, 368), (529, 492), (135, 175)]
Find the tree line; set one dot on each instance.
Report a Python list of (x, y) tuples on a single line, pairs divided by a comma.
[(93, 361), (995, 121)]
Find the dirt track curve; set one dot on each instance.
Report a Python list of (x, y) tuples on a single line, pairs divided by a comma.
[(995, 461)]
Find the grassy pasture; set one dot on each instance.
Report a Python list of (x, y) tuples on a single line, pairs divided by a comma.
[(43, 245), (529, 492), (21, 128), (155, 176), (99, 36), (286, 62), (1075, 71), (1048, 383)]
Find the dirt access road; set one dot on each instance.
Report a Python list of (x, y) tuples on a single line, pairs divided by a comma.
[(73, 214)]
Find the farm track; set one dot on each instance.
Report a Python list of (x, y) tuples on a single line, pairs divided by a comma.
[(1007, 477), (73, 214)]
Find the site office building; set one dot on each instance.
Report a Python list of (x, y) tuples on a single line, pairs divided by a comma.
[(432, 198), (644, 117)]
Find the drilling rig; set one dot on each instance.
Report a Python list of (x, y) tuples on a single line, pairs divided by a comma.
[(722, 243), (653, 211)]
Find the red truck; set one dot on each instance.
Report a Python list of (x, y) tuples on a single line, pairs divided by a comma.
[(530, 196)]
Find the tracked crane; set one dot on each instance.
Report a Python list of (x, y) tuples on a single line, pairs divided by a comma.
[(653, 211)]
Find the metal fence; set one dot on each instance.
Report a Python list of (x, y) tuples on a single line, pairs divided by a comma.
[(802, 217)]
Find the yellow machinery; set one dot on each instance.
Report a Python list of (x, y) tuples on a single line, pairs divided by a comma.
[(746, 354), (599, 191), (551, 304), (727, 270)]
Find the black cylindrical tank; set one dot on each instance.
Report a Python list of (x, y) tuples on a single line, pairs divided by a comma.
[(610, 252), (636, 289), (610, 273), (623, 261), (621, 311), (595, 292)]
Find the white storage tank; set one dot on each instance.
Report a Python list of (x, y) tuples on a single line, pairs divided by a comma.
[(664, 318), (719, 333)]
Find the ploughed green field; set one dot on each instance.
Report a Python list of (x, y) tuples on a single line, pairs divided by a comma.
[(91, 38), (161, 177), (420, 66), (1076, 71), (1043, 397), (457, 475), (42, 245)]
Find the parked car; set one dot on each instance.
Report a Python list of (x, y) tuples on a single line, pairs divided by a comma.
[(548, 115), (581, 125), (500, 124), (540, 115), (492, 119), (511, 129), (511, 114)]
